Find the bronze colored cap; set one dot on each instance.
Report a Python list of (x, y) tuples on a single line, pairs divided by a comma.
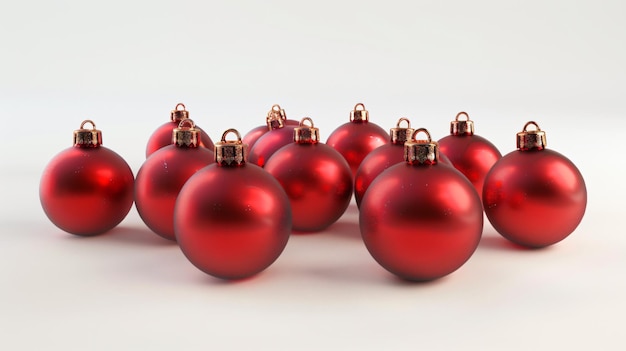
[(87, 137), (304, 134), (398, 134), (186, 135), (179, 114), (231, 152), (531, 139), (462, 127), (276, 117), (359, 115), (421, 152)]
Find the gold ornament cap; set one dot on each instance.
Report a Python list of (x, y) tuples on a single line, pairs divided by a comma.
[(531, 139), (276, 117), (87, 137), (304, 134), (399, 135), (462, 127), (231, 153), (359, 114), (421, 152), (179, 113), (186, 135)]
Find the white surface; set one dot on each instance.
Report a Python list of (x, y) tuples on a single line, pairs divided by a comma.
[(126, 64)]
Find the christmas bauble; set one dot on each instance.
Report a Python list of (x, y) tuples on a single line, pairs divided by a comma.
[(278, 135), (232, 219), (315, 176), (162, 137), (381, 158), (86, 189), (253, 135), (471, 154), (534, 196), (163, 175), (421, 220), (357, 138)]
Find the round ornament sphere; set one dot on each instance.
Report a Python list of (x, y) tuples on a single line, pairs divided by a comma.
[(232, 219), (316, 178), (421, 220), (534, 196), (253, 135), (471, 154), (86, 189), (164, 173), (356, 139)]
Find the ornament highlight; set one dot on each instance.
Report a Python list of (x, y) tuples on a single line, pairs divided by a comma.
[(164, 173), (471, 154), (162, 137), (86, 189), (357, 138), (316, 178), (534, 196), (419, 219), (253, 135), (232, 219)]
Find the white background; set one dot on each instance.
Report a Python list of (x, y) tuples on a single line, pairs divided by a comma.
[(125, 64)]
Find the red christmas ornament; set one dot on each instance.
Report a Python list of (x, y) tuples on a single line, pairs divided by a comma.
[(162, 137), (471, 154), (232, 219), (163, 175), (381, 158), (252, 136), (87, 189), (534, 197), (278, 135), (315, 176), (421, 220), (357, 138)]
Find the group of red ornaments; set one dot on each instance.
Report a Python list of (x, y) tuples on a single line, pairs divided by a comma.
[(231, 206)]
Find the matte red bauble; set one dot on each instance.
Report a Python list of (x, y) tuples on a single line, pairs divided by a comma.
[(163, 175), (357, 138), (232, 219), (381, 158), (534, 197), (421, 220), (87, 189), (278, 135), (162, 137), (471, 154), (252, 136), (315, 176)]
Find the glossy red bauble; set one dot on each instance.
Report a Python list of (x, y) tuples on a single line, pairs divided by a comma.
[(86, 189), (315, 176), (357, 138), (163, 175), (534, 197), (253, 135), (232, 219), (162, 137), (471, 154), (421, 220)]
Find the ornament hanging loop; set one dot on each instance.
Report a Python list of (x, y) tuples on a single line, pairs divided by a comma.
[(462, 127), (179, 112), (87, 137), (306, 134), (186, 135), (399, 135), (359, 114), (531, 139), (421, 152), (231, 152)]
